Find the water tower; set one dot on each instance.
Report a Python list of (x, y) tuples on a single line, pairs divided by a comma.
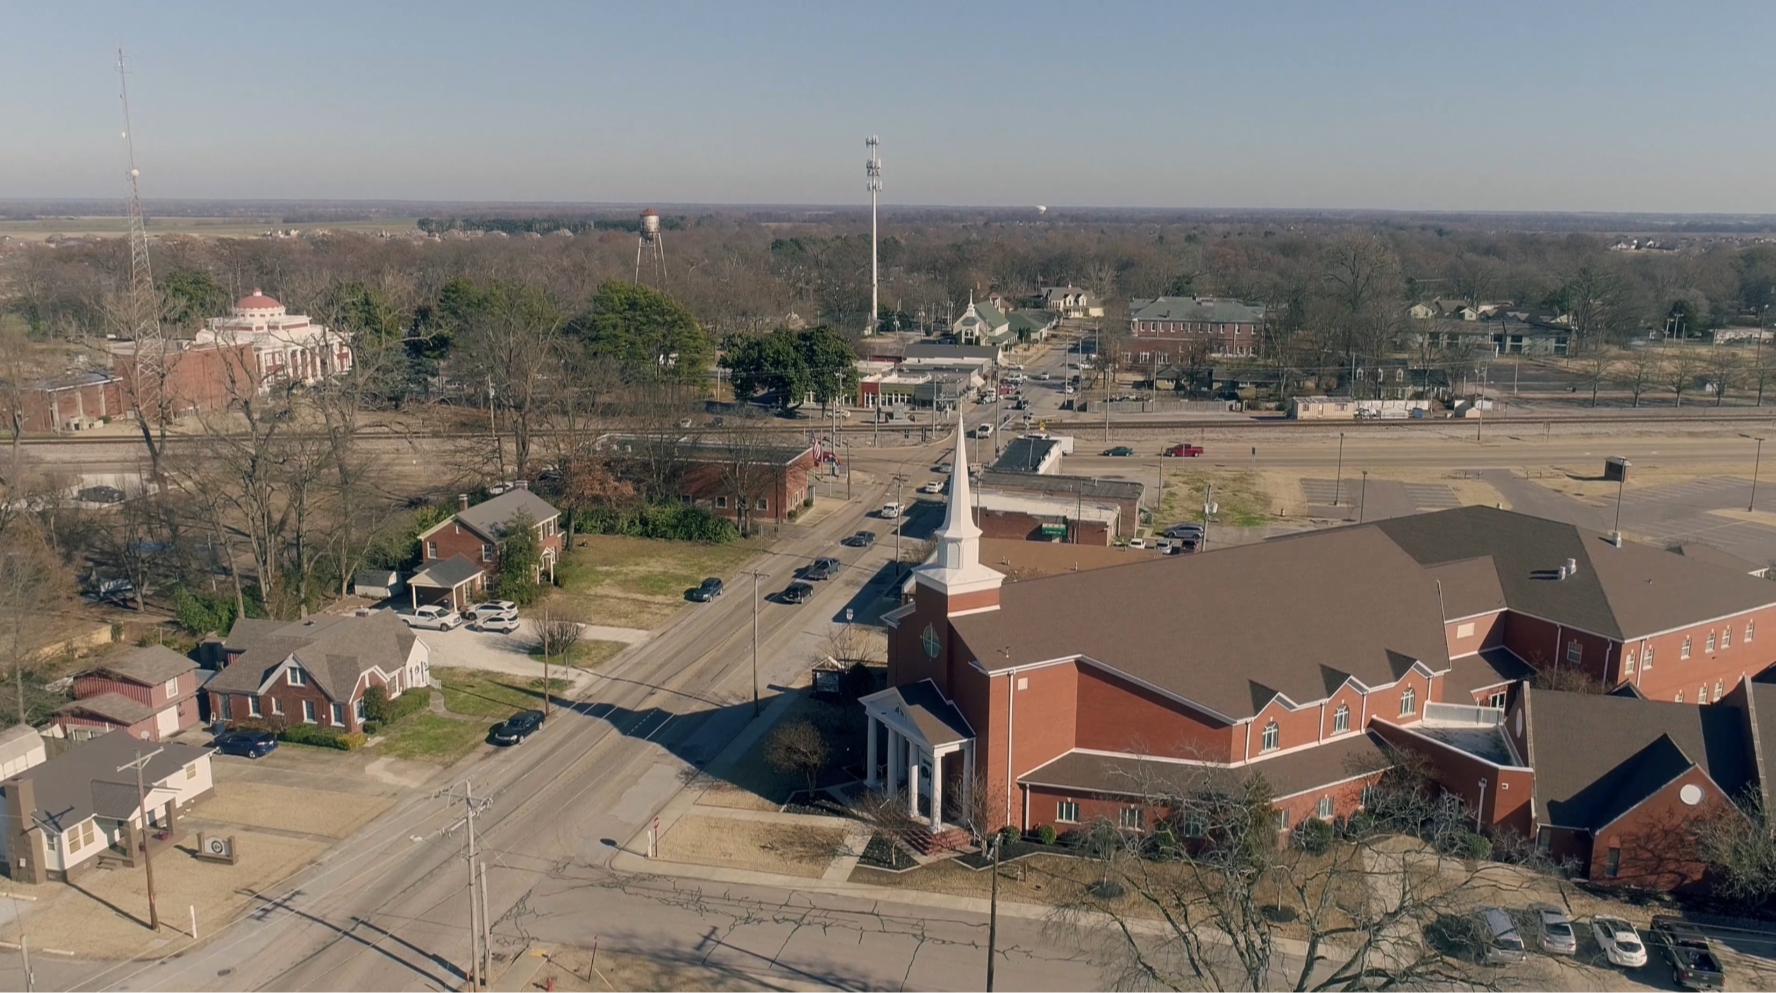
[(648, 245)]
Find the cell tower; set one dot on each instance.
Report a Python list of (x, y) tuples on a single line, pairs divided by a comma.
[(873, 169), (648, 244), (142, 304)]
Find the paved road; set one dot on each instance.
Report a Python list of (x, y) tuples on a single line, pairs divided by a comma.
[(387, 909)]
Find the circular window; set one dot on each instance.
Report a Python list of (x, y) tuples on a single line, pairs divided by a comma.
[(1691, 794)]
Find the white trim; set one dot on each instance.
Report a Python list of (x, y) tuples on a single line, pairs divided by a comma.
[(1447, 746), (972, 610), (1709, 620)]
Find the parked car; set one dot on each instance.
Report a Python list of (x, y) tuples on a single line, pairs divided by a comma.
[(250, 744), (798, 592), (1120, 451), (705, 591), (1503, 943), (891, 511), (862, 539), (1067, 390), (499, 624), (1555, 930), (516, 728), (1620, 942), (1694, 964), (1183, 452), (433, 617), (1184, 531), (491, 609), (1166, 546), (935, 486), (1137, 543), (822, 568)]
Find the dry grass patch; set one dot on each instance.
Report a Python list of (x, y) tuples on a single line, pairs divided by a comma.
[(1244, 497), (334, 815), (761, 846), (640, 582)]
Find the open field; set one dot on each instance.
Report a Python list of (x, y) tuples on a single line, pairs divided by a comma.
[(427, 737), (493, 695), (789, 849), (639, 582), (202, 227)]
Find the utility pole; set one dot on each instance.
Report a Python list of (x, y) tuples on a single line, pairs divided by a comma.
[(476, 969), (899, 478), (1757, 461), (140, 762), (1338, 480), (873, 170), (993, 912), (486, 931), (1208, 505), (755, 642), (1363, 498)]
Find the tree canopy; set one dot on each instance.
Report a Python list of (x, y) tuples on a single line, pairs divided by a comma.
[(792, 365), (652, 335)]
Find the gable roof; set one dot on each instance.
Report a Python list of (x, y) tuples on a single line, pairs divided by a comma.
[(1717, 556), (249, 631), (1631, 591), (1371, 622), (149, 665), (1207, 309), (113, 707), (335, 651), (490, 517), (1597, 755), (447, 574), (84, 780)]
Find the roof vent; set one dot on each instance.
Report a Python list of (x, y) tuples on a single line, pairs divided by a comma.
[(1572, 567)]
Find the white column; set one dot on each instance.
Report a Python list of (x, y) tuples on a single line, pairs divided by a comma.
[(968, 777), (869, 767), (936, 793), (912, 764), (896, 752)]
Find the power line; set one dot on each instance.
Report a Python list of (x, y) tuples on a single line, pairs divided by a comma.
[(480, 952)]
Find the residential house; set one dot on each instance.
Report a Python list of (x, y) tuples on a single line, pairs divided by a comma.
[(982, 324), (1070, 301), (148, 692), (1028, 326), (1171, 329), (63, 814), (474, 534), (316, 671)]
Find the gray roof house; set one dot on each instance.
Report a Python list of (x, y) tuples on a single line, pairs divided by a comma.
[(982, 324)]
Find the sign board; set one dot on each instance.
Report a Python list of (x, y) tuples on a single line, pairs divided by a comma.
[(211, 848)]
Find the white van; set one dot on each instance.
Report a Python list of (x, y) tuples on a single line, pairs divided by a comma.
[(891, 511)]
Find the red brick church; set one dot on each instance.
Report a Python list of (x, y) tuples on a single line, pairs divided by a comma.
[(1308, 659)]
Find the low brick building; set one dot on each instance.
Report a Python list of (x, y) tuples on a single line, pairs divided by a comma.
[(1168, 329), (1123, 494), (148, 692), (71, 405), (316, 671)]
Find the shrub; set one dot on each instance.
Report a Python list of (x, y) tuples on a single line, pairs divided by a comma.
[(668, 521), (308, 734), (201, 613), (1046, 835), (1474, 846), (808, 502), (1009, 833), (372, 728), (1313, 837), (379, 708)]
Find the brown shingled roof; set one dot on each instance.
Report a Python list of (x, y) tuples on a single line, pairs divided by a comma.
[(1228, 629), (113, 707), (1288, 775), (335, 650), (149, 665)]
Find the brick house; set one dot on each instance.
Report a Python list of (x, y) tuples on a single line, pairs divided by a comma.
[(316, 671), (773, 481), (148, 693), (1307, 660), (474, 534), (1171, 329)]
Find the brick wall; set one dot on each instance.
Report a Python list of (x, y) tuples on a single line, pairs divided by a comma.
[(1671, 673), (56, 408), (453, 539), (1471, 634), (1654, 841), (1018, 526), (1120, 716)]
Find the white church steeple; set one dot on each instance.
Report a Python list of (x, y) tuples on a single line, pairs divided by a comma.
[(956, 570)]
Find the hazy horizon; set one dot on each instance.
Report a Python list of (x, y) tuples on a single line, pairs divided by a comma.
[(1509, 108)]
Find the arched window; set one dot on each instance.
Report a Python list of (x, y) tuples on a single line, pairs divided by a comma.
[(1273, 737), (1408, 702), (1341, 719)]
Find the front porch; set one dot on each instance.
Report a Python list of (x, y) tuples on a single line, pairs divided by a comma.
[(911, 730)]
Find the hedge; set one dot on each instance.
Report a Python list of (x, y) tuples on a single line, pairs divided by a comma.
[(308, 734), (669, 520), (379, 708)]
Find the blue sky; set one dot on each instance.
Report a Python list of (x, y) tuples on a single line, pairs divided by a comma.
[(1412, 105)]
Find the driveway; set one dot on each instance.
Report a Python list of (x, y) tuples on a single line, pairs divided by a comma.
[(510, 653)]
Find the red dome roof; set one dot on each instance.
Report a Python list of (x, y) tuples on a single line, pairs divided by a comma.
[(257, 301)]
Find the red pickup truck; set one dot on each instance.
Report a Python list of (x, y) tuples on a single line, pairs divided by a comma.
[(1183, 451)]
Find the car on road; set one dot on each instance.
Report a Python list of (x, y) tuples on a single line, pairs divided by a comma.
[(797, 592), (250, 744), (516, 728), (1120, 451), (1183, 452), (1694, 964), (821, 568), (1067, 390), (498, 624), (1555, 930), (1042, 376), (934, 486), (491, 609), (1621, 944), (1503, 943), (433, 617), (705, 592), (862, 539), (983, 431), (891, 511)]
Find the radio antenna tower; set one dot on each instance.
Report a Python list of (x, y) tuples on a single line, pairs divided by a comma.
[(142, 305), (648, 243), (873, 169)]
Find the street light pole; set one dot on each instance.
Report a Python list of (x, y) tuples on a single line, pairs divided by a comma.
[(755, 642), (1338, 481), (993, 912), (1621, 484), (1757, 461), (1363, 498)]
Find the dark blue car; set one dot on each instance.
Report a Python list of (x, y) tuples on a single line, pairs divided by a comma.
[(252, 744)]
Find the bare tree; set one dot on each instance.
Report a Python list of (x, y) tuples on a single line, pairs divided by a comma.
[(1595, 366), (556, 637), (1679, 371), (799, 747), (1638, 372), (30, 582), (1725, 368), (1739, 847)]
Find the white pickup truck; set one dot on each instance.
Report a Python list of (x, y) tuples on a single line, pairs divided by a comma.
[(432, 617)]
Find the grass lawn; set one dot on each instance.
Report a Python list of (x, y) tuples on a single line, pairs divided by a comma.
[(427, 737), (639, 582), (1244, 500), (586, 654), (494, 695)]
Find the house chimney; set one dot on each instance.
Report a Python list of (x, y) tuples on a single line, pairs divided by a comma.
[(524, 484), (462, 502), (1572, 567)]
